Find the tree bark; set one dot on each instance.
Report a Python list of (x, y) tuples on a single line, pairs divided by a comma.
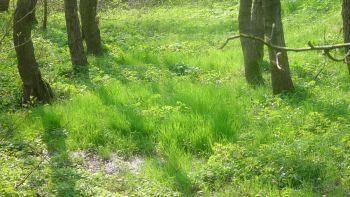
[(45, 15), (34, 87), (4, 5), (346, 26), (90, 29), (252, 51), (258, 30), (75, 40), (280, 72)]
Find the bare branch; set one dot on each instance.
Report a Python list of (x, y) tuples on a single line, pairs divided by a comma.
[(279, 48), (14, 47), (9, 27), (343, 59)]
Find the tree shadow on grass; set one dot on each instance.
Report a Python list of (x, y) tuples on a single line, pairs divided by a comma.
[(63, 177), (223, 126), (114, 66), (183, 183), (138, 130), (303, 98), (83, 77)]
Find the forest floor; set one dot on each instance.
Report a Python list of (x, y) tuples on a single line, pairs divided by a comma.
[(164, 112)]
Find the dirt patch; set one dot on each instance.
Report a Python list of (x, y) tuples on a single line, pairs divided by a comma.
[(114, 165)]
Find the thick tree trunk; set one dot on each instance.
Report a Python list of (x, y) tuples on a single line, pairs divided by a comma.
[(252, 51), (45, 15), (346, 25), (4, 5), (75, 40), (280, 72), (90, 29), (34, 87)]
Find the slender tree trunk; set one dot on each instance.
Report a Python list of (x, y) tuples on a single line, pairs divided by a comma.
[(4, 5), (252, 51), (280, 72), (34, 87), (90, 29), (45, 15), (346, 25), (75, 40)]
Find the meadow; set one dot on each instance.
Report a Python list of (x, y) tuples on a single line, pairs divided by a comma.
[(164, 112)]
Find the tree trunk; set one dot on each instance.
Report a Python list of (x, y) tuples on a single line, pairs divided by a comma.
[(346, 26), (4, 5), (258, 30), (45, 15), (280, 72), (34, 87), (252, 51), (75, 40), (90, 29)]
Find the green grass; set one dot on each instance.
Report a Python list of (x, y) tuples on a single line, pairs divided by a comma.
[(163, 92)]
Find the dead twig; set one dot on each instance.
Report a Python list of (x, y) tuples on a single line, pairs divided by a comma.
[(30, 173), (322, 68)]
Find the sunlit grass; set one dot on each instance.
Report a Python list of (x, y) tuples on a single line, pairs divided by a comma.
[(165, 92)]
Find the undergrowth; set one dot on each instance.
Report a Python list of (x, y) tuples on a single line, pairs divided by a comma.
[(163, 92)]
